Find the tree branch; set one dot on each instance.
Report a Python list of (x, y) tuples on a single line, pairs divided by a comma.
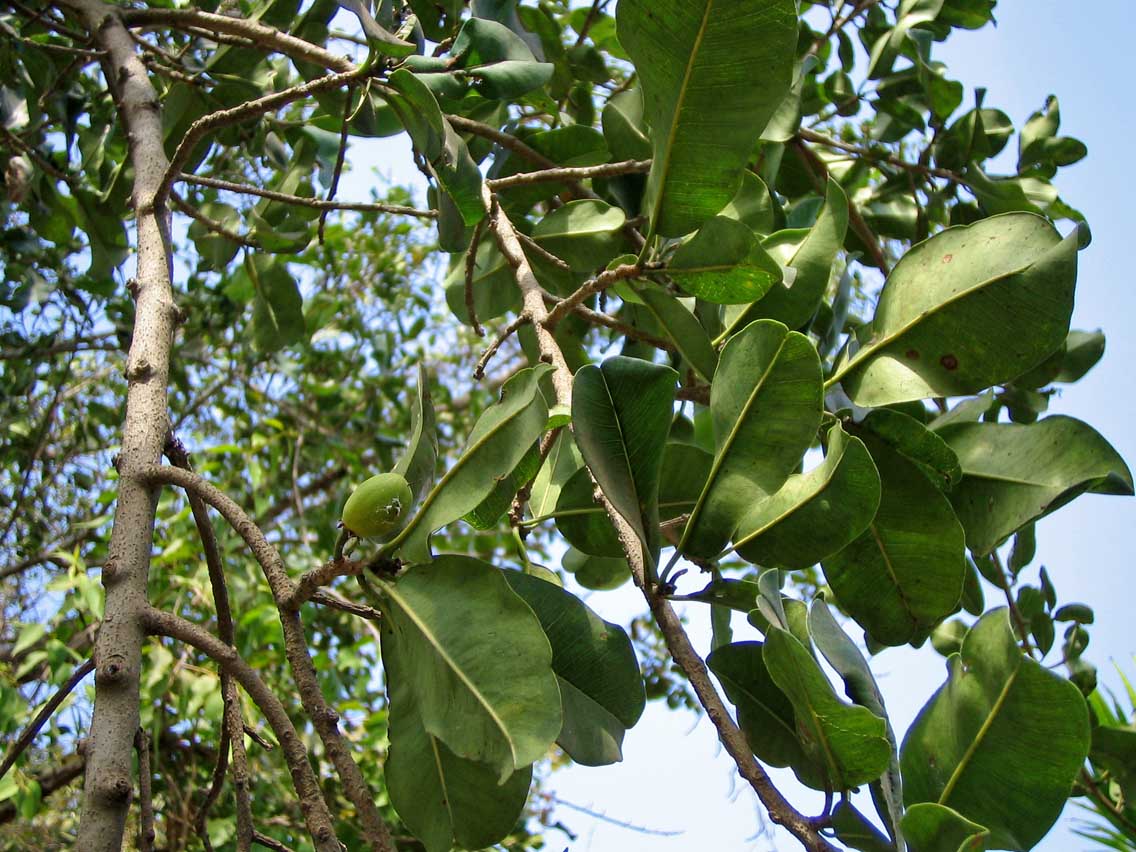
[(304, 201), (678, 643), (304, 780)]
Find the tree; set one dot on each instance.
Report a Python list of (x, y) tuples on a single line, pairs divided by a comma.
[(717, 189)]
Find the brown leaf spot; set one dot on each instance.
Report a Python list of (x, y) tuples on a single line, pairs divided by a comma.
[(912, 354), (947, 258), (949, 362)]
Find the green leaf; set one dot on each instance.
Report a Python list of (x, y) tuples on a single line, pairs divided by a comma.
[(1114, 751), (477, 660), (601, 689), (563, 461), (698, 61), (764, 712), (971, 307), (277, 309), (998, 712), (848, 740), (795, 303), (766, 407), (918, 444), (601, 573), (621, 414), (724, 263), (860, 685), (814, 514), (905, 573), (498, 59), (624, 128), (583, 233), (419, 460), (855, 831), (494, 290), (931, 827), (684, 329), (1014, 474), (505, 488), (502, 435), (582, 522), (445, 152), (752, 205), (442, 798), (738, 595)]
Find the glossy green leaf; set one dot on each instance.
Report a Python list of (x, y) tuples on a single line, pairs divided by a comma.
[(794, 303), (848, 740), (499, 440), (442, 798), (764, 712), (477, 661), (999, 712), (931, 827), (563, 461), (905, 573), (583, 233), (724, 263), (752, 205), (1014, 473), (601, 689), (814, 514), (486, 514), (969, 308), (713, 72), (621, 414), (766, 407), (419, 460), (684, 329)]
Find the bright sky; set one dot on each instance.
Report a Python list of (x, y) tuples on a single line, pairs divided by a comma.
[(674, 776)]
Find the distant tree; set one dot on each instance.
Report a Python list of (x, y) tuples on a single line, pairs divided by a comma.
[(837, 334)]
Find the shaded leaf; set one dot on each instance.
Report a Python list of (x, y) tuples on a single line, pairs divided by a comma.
[(905, 573), (499, 440), (766, 407), (814, 514), (724, 263), (684, 329), (478, 663), (1014, 473), (930, 827), (601, 689), (419, 460), (848, 740)]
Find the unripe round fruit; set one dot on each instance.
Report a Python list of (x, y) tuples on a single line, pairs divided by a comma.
[(378, 505)]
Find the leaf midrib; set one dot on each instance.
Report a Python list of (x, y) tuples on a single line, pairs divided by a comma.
[(987, 723), (672, 131), (719, 459), (874, 349), (433, 642)]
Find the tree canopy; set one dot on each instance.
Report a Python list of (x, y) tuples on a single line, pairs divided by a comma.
[(729, 300)]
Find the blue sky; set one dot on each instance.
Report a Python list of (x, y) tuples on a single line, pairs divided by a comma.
[(674, 776)]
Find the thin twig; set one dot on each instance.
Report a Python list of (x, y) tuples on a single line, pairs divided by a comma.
[(269, 843), (521, 320), (29, 734), (565, 174), (595, 285), (242, 112), (340, 157), (544, 254), (316, 814), (328, 598), (311, 581), (1015, 613), (880, 156), (470, 269), (608, 321), (304, 201), (264, 36), (211, 224)]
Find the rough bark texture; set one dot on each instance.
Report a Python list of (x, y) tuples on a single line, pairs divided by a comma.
[(118, 649)]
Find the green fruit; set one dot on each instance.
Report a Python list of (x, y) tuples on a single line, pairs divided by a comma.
[(378, 505)]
